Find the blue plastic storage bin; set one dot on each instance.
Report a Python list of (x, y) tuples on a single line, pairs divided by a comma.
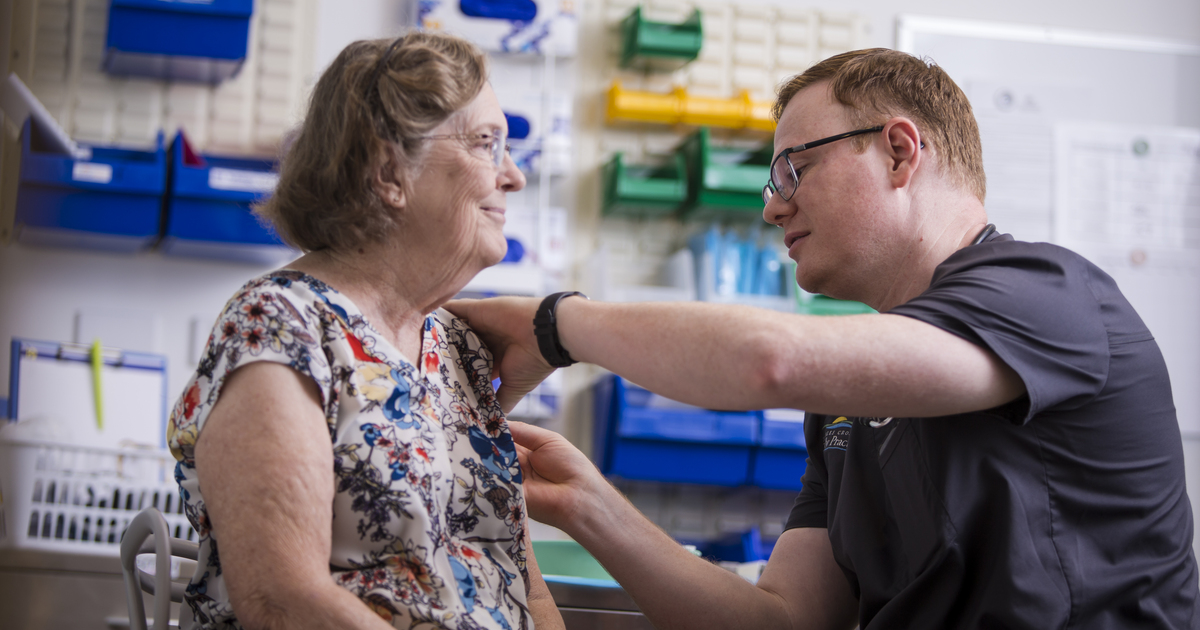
[(635, 440), (747, 546), (781, 457), (201, 41), (112, 201), (208, 208)]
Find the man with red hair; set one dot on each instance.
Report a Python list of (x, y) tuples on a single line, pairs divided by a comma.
[(996, 448)]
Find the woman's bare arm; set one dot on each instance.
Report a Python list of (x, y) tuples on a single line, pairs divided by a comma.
[(541, 603), (265, 465)]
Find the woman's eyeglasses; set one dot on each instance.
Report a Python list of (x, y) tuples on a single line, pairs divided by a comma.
[(496, 143), (785, 178)]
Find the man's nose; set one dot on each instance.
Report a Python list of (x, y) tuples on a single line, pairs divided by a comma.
[(777, 210)]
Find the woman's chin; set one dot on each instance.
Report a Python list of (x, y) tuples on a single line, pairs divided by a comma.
[(491, 259)]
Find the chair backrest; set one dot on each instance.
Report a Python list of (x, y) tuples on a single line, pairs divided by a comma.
[(147, 533)]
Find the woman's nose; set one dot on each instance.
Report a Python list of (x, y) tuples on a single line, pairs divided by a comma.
[(510, 178)]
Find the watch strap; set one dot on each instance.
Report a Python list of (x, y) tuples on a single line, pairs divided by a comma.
[(545, 329)]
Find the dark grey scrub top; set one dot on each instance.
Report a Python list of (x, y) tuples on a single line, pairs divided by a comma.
[(1063, 509)]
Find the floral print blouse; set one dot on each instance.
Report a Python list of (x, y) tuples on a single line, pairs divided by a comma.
[(429, 514)]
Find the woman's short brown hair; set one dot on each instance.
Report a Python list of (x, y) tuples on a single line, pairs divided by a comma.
[(364, 119), (877, 83)]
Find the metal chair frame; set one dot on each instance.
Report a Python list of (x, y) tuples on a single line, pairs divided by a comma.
[(148, 533)]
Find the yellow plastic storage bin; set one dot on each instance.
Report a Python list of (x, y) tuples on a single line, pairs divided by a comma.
[(679, 107)]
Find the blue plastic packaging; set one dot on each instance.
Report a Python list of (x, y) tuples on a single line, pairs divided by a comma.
[(748, 258), (203, 41), (706, 242), (740, 265), (208, 208), (516, 10), (515, 251), (729, 264), (111, 202), (518, 126), (637, 440), (769, 280)]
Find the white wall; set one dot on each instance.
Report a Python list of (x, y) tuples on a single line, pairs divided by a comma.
[(144, 302), (342, 22), (1172, 19)]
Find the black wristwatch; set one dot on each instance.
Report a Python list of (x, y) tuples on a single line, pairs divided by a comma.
[(545, 328)]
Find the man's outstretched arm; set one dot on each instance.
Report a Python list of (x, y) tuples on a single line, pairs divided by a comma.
[(723, 356), (801, 588)]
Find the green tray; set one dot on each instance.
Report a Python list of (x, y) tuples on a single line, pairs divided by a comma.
[(822, 305), (643, 191), (724, 183), (567, 557), (659, 45)]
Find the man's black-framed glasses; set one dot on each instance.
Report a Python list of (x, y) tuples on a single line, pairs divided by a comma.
[(785, 178)]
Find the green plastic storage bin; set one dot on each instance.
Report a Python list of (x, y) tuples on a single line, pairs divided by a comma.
[(816, 304), (643, 191), (724, 183), (659, 45), (569, 558)]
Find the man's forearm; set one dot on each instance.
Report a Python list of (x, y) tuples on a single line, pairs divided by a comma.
[(672, 587)]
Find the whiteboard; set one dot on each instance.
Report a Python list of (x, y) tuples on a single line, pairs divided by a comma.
[(1036, 92), (56, 399)]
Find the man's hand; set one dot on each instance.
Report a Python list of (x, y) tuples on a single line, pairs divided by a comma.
[(558, 477), (506, 327)]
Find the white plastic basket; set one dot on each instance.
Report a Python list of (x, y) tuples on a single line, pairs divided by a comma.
[(80, 499)]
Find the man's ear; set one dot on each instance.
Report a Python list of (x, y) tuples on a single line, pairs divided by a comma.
[(904, 150)]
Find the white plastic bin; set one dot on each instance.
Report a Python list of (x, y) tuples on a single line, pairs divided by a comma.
[(80, 499)]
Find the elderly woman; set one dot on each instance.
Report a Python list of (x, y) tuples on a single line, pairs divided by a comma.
[(342, 453)]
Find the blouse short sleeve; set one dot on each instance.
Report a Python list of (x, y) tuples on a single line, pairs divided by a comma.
[(268, 319)]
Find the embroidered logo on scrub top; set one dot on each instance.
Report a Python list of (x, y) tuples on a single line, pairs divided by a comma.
[(837, 434)]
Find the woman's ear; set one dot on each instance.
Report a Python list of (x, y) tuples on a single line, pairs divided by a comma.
[(904, 146), (388, 183)]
